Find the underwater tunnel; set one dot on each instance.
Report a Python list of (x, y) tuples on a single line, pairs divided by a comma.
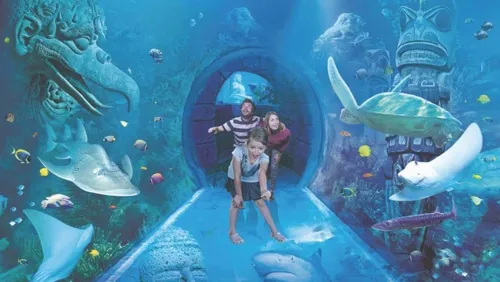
[(299, 109)]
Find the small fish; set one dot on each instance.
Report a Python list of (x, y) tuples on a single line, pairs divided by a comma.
[(129, 71), (35, 134), (94, 253), (10, 117), (12, 223), (490, 159), (23, 262), (156, 178), (21, 155), (157, 119), (476, 200), (488, 120), (386, 12), (20, 193), (192, 22), (367, 175), (141, 145), (487, 26), (44, 172), (18, 220), (157, 55), (483, 99), (6, 40), (123, 123), (32, 204), (112, 207), (348, 192), (477, 176), (365, 151), (20, 187), (200, 15), (361, 74), (56, 200), (144, 168), (480, 35), (469, 20), (388, 70), (345, 133), (13, 209), (109, 139)]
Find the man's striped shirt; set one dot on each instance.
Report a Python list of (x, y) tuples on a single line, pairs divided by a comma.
[(241, 128)]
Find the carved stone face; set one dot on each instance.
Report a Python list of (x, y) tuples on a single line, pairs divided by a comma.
[(58, 41), (427, 35), (49, 103), (377, 62)]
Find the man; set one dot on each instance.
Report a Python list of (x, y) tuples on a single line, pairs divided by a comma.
[(240, 126)]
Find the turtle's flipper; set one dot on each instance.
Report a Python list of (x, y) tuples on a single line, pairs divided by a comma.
[(347, 117), (340, 87)]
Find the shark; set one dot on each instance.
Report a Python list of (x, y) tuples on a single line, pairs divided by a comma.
[(277, 266), (62, 246), (86, 165), (425, 179)]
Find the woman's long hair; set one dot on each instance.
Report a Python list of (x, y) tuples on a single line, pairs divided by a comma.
[(281, 126)]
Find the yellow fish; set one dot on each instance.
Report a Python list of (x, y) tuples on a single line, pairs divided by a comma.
[(483, 99), (94, 253), (6, 40), (476, 200), (44, 172), (477, 176), (365, 151), (144, 168)]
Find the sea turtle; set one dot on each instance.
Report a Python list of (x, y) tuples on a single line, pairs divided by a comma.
[(396, 113)]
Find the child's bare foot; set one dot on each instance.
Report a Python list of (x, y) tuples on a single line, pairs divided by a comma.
[(278, 237), (235, 238)]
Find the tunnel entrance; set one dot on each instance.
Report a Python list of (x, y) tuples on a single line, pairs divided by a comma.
[(297, 104)]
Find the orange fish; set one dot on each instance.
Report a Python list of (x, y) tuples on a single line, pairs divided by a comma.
[(367, 175), (112, 207), (345, 133)]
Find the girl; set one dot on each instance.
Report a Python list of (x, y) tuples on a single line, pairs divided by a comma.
[(279, 137), (247, 181)]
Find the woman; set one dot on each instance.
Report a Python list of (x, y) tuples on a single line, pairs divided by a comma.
[(278, 139)]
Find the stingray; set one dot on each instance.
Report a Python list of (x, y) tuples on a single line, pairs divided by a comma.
[(62, 245), (86, 165), (424, 179)]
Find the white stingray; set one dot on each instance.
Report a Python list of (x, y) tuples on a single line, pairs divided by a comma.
[(425, 179), (62, 246)]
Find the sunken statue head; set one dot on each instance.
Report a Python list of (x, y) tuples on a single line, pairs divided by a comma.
[(427, 34), (57, 42)]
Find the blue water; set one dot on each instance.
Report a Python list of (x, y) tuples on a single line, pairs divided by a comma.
[(287, 30)]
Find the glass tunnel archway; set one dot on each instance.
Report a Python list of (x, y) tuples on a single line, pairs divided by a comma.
[(299, 109)]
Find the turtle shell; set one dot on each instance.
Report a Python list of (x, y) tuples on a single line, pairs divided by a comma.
[(400, 104)]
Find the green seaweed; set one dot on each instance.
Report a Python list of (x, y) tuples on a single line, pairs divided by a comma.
[(109, 247)]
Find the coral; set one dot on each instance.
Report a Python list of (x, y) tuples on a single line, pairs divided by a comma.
[(174, 257), (109, 248), (30, 249)]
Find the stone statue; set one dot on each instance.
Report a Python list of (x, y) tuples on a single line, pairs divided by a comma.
[(426, 51), (56, 42)]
